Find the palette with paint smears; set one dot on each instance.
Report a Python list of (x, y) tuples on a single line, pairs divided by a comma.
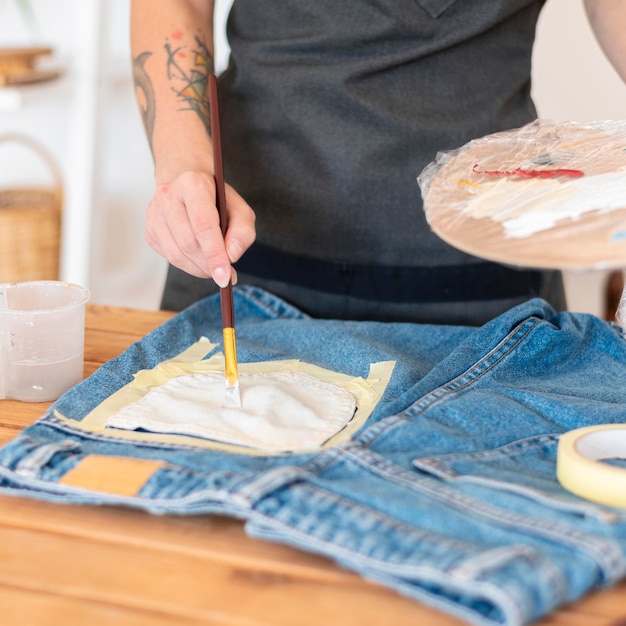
[(546, 195)]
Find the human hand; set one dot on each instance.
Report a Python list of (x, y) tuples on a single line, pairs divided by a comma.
[(182, 225)]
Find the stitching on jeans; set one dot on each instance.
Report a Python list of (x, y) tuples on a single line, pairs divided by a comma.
[(461, 382), (606, 553)]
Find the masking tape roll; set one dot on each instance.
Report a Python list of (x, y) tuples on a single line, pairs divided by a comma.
[(579, 466)]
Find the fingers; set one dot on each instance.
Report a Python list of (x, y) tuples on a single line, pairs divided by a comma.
[(205, 234), (182, 224), (241, 219)]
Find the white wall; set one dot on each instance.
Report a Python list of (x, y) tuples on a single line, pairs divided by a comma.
[(59, 115), (90, 123)]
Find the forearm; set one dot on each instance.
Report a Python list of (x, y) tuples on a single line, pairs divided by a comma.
[(608, 21), (173, 54)]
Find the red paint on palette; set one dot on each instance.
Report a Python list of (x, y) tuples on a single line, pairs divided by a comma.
[(519, 172)]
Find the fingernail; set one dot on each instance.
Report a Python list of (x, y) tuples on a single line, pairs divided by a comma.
[(234, 251), (221, 276)]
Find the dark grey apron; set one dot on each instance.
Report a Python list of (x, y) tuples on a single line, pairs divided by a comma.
[(330, 111)]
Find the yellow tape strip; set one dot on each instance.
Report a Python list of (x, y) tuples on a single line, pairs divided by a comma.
[(580, 470), (119, 475), (366, 391)]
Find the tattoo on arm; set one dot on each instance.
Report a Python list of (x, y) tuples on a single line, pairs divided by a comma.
[(144, 85), (191, 85)]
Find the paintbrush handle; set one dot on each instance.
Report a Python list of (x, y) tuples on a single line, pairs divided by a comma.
[(218, 167), (226, 293), (226, 301), (232, 398)]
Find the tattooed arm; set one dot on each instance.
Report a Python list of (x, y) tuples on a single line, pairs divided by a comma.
[(172, 58)]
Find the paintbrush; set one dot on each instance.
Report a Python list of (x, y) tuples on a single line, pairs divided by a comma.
[(232, 397)]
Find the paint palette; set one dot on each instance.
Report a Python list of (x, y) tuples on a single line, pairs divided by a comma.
[(546, 195)]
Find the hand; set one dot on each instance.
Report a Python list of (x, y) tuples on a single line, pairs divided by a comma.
[(182, 224)]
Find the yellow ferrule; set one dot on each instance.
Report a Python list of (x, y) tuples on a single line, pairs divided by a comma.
[(230, 356)]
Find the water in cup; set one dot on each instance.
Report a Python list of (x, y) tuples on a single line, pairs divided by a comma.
[(42, 331)]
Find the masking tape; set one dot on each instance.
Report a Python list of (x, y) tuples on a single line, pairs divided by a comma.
[(579, 466)]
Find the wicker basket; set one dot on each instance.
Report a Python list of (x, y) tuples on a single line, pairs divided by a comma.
[(30, 223)]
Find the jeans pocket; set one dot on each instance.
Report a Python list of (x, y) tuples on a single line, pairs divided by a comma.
[(436, 8), (526, 467)]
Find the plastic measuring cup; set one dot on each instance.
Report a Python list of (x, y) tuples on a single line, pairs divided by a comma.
[(42, 339)]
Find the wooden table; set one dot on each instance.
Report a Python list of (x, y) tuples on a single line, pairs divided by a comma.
[(66, 565)]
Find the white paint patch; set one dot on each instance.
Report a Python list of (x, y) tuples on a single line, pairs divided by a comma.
[(284, 411)]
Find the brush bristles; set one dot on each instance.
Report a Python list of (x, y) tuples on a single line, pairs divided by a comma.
[(232, 397)]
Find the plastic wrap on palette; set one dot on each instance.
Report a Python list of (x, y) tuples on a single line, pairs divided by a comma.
[(521, 182)]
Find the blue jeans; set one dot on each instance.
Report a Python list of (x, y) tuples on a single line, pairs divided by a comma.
[(447, 494)]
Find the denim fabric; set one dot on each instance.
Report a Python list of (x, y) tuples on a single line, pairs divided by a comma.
[(447, 494)]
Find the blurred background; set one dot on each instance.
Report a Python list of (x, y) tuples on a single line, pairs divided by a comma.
[(88, 122)]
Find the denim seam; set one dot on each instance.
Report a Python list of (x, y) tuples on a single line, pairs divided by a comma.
[(372, 462), (222, 497), (329, 497), (394, 569), (52, 422), (31, 463), (17, 449), (606, 554), (54, 488), (268, 482), (262, 304), (459, 383), (510, 610), (250, 294), (441, 467), (520, 444), (326, 458), (236, 478), (586, 509)]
